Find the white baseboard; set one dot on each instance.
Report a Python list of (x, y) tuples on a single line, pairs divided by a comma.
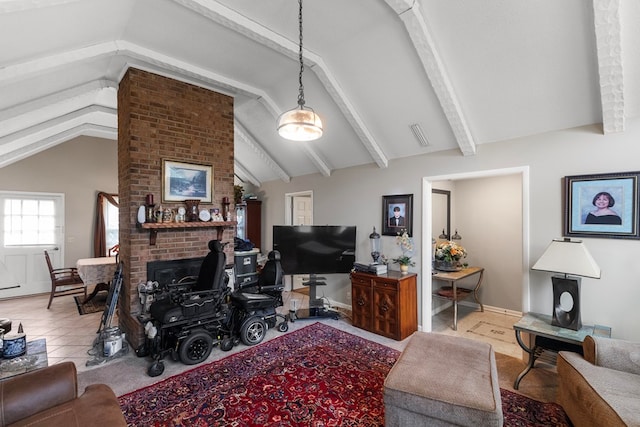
[(489, 308), (493, 309)]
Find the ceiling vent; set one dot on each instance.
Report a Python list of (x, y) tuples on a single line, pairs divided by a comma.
[(417, 132)]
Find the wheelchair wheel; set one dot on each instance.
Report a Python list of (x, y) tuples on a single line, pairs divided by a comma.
[(156, 368), (253, 330), (283, 327), (226, 344), (195, 348)]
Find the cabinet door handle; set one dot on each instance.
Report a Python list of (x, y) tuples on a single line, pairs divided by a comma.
[(384, 307), (361, 301)]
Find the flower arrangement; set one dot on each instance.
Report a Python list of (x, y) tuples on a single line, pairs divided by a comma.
[(450, 251), (406, 245)]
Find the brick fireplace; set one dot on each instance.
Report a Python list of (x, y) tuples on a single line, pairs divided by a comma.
[(161, 118)]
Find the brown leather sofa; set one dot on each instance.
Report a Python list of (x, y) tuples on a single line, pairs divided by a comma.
[(603, 387), (49, 397)]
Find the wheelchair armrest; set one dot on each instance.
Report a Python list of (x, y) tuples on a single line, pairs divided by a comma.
[(205, 294), (271, 288)]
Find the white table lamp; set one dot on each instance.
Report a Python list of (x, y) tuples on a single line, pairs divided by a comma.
[(571, 258)]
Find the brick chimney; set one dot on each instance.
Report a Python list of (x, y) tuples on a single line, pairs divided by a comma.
[(160, 118)]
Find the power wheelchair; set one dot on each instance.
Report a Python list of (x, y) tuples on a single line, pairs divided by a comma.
[(190, 317)]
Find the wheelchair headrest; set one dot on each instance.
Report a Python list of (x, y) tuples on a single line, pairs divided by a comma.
[(215, 246), (274, 256)]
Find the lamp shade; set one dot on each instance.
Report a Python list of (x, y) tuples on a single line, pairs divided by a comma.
[(569, 257), (300, 124)]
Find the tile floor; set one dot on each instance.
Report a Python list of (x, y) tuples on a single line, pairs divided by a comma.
[(71, 336)]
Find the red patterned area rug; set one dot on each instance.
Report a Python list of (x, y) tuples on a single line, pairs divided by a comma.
[(314, 376)]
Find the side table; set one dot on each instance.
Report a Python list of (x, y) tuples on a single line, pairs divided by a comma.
[(455, 293), (34, 358), (549, 338)]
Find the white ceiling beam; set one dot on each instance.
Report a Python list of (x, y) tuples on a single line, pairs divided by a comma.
[(608, 30), (8, 6), (244, 174), (88, 124), (95, 114), (164, 65), (241, 133), (409, 13), (231, 19), (28, 114), (321, 165)]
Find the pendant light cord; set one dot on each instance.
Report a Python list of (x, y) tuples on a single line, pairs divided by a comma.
[(301, 86)]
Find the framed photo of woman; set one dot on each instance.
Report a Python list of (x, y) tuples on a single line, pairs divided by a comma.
[(604, 205)]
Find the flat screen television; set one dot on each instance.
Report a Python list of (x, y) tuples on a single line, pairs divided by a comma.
[(315, 249)]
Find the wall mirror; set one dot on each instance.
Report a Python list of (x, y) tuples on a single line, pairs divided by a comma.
[(441, 214)]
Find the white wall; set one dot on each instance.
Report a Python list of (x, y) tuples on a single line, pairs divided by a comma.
[(354, 196), (489, 218), (80, 169)]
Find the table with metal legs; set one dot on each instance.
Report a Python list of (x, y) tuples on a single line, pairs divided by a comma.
[(455, 293), (547, 340)]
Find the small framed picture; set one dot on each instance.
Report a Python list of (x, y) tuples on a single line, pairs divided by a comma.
[(181, 181), (604, 205), (397, 214)]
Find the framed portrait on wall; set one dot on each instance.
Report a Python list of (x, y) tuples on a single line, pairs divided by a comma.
[(604, 205), (182, 181), (397, 214)]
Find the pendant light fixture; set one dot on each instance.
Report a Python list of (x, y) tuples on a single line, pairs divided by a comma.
[(300, 123)]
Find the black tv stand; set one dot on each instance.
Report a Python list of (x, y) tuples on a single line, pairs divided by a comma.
[(316, 306)]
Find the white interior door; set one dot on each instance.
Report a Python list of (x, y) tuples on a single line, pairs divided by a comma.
[(30, 223), (298, 211)]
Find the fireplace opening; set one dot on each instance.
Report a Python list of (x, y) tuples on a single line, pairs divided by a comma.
[(171, 271)]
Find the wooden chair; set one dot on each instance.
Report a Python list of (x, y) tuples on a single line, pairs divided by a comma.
[(67, 278), (114, 250)]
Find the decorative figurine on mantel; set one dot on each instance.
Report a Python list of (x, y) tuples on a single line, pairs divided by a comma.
[(192, 210), (216, 216), (225, 209)]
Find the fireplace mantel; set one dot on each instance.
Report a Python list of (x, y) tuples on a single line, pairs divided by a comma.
[(154, 227)]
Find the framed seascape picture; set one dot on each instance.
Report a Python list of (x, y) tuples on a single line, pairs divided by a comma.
[(604, 205), (181, 181), (397, 214)]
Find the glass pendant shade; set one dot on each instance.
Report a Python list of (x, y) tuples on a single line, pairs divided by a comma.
[(300, 124)]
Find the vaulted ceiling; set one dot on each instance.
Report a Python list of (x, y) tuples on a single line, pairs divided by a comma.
[(464, 73)]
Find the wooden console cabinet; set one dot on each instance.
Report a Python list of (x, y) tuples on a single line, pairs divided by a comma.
[(386, 305)]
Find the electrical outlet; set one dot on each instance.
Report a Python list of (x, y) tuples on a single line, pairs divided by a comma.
[(348, 294)]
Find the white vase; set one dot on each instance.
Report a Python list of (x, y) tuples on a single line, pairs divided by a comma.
[(404, 269), (142, 213)]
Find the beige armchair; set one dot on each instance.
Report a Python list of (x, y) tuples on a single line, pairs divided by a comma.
[(601, 388)]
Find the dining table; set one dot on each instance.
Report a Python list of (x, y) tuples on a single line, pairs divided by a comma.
[(96, 271)]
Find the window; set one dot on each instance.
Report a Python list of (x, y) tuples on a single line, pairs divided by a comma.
[(29, 222), (111, 224)]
